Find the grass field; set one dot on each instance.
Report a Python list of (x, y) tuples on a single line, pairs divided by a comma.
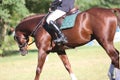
[(88, 63)]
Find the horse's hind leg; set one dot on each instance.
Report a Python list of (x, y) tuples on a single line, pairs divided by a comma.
[(111, 51), (114, 73), (65, 60)]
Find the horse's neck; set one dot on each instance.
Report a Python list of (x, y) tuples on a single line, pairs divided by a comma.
[(32, 29), (31, 25)]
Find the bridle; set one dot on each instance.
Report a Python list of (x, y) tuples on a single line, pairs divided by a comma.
[(21, 45)]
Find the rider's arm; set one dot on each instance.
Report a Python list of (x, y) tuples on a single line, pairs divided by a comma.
[(55, 4)]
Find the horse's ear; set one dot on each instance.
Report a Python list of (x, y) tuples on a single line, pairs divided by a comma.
[(14, 37), (116, 10)]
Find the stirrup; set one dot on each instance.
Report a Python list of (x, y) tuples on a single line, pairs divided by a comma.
[(62, 40)]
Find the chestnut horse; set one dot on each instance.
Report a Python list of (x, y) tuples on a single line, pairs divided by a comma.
[(94, 23)]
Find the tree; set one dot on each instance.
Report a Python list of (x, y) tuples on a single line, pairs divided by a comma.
[(86, 4), (11, 11), (38, 6), (110, 3)]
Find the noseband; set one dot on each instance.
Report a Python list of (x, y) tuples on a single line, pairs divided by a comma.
[(21, 45)]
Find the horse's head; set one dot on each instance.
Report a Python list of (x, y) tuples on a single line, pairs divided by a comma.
[(22, 43), (27, 27)]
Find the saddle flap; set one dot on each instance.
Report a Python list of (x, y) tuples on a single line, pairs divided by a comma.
[(69, 21)]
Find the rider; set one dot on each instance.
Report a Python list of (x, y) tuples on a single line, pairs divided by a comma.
[(58, 9)]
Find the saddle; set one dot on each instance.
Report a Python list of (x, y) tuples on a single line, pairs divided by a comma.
[(72, 11), (67, 21), (59, 22)]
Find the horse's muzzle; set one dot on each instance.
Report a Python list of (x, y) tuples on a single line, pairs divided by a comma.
[(23, 51)]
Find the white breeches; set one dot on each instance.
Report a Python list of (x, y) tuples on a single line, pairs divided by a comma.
[(55, 15)]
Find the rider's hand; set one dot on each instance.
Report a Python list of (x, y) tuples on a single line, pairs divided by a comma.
[(50, 10)]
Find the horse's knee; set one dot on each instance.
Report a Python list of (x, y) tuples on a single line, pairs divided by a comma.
[(38, 71), (68, 67)]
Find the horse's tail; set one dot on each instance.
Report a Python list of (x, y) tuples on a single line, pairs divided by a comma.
[(117, 13)]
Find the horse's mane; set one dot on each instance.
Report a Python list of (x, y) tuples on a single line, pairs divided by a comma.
[(31, 17)]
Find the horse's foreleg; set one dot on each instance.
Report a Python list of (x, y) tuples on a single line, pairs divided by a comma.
[(114, 55), (41, 59), (67, 64)]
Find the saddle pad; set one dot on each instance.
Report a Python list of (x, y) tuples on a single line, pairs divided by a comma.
[(69, 21)]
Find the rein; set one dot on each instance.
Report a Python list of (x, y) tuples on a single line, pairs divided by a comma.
[(37, 27), (21, 45)]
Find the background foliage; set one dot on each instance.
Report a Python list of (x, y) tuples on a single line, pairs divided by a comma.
[(37, 6), (86, 4), (12, 11)]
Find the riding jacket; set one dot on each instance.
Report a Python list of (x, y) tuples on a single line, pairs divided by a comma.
[(64, 5)]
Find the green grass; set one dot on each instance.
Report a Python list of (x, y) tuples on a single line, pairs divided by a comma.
[(88, 63)]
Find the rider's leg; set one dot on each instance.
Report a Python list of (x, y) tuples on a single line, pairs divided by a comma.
[(51, 21), (61, 37)]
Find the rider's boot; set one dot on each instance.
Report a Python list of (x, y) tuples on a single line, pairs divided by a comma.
[(61, 38)]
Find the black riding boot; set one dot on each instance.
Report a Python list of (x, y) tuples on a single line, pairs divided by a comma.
[(61, 38)]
